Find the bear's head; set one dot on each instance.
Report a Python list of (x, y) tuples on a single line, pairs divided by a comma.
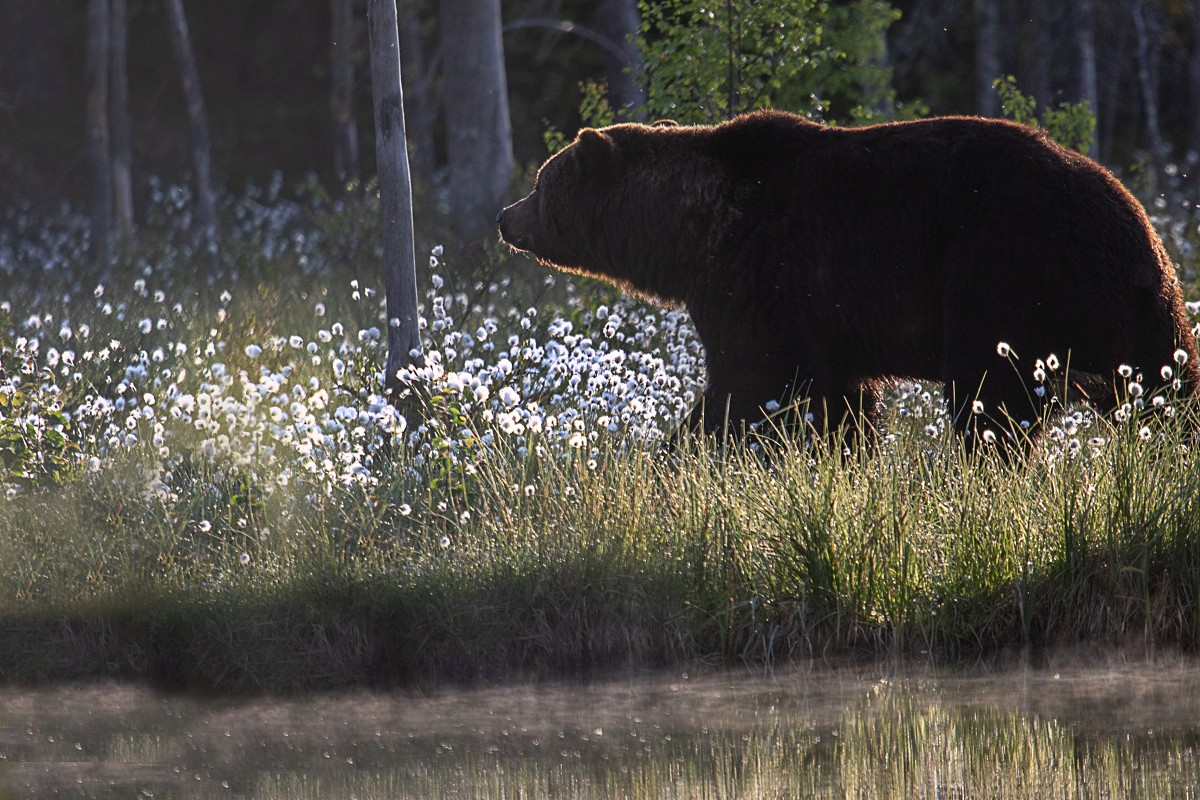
[(636, 205), (546, 223)]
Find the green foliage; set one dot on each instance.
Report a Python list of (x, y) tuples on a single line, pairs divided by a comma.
[(594, 110), (857, 84), (1072, 125), (35, 441), (595, 107), (706, 62)]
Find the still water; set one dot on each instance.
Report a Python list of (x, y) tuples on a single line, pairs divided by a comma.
[(1061, 731)]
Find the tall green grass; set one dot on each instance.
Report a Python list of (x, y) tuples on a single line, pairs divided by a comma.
[(535, 565)]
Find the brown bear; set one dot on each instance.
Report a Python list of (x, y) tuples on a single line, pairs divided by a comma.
[(819, 262)]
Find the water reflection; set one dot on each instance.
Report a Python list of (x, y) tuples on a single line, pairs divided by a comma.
[(1123, 731)]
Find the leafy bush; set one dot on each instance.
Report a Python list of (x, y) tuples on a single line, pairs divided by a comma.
[(706, 62), (1072, 125)]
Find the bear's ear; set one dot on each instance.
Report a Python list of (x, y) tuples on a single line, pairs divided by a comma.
[(596, 144), (665, 123)]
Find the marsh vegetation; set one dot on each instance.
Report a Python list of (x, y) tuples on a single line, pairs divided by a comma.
[(204, 485)]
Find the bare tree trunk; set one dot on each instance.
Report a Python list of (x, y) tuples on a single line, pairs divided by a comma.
[(619, 21), (122, 151), (100, 206), (395, 193), (1085, 50), (197, 122), (987, 57), (345, 128), (418, 111), (1146, 25), (478, 129)]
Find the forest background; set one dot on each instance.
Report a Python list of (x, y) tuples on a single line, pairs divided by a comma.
[(269, 80)]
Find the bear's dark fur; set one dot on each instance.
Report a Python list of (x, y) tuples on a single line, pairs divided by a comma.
[(820, 261)]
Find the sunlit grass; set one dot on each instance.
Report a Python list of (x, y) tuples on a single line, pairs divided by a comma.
[(205, 486)]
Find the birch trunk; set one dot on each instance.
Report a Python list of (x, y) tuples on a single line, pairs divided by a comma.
[(395, 193)]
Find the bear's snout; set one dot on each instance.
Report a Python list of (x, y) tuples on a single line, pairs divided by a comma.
[(515, 228)]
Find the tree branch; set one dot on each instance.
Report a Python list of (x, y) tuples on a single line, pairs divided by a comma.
[(563, 26)]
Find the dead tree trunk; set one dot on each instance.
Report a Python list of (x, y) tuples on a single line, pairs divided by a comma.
[(345, 128), (99, 162), (478, 129), (206, 213), (119, 127), (987, 57), (395, 193)]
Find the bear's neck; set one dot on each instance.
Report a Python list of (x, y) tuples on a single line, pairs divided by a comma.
[(671, 230)]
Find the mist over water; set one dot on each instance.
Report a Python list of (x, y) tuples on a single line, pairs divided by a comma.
[(1063, 730)]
